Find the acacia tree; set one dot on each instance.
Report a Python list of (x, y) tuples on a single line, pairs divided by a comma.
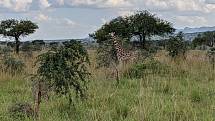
[(142, 24), (16, 29)]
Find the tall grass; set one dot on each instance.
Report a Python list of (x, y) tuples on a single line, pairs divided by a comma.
[(185, 93)]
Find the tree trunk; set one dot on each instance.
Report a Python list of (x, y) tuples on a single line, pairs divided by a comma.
[(17, 45), (37, 101), (213, 42), (142, 41)]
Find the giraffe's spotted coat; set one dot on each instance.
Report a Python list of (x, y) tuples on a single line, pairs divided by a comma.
[(122, 55)]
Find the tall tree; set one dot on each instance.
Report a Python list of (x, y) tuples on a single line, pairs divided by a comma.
[(16, 29), (142, 24)]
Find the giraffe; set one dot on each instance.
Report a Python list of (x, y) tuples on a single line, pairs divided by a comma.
[(123, 56)]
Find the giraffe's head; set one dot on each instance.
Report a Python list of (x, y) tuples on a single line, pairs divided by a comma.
[(112, 34), (114, 38)]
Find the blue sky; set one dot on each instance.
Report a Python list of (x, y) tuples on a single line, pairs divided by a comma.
[(61, 19)]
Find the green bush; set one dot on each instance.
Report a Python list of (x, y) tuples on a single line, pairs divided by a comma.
[(176, 46), (151, 66), (13, 65), (64, 69), (196, 96), (5, 51), (20, 111), (211, 55)]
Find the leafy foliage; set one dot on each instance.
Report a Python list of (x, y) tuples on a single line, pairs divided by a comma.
[(176, 46), (35, 45), (207, 38), (17, 29), (5, 51), (38, 42), (21, 110), (11, 44), (107, 55), (150, 66), (65, 68), (211, 55), (13, 65), (142, 24), (54, 45), (196, 96)]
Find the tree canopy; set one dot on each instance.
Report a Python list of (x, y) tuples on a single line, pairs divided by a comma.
[(16, 29), (142, 24)]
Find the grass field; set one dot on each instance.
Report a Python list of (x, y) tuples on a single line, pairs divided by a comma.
[(185, 93)]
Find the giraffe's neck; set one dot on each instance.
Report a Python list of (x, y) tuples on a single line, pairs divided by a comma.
[(121, 54)]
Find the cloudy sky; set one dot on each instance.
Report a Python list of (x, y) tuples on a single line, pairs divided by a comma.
[(59, 19)]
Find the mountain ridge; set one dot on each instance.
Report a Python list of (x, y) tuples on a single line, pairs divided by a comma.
[(196, 30)]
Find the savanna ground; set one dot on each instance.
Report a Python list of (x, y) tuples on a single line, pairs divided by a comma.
[(179, 90)]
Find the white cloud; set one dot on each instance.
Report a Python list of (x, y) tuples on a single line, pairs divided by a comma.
[(63, 22), (190, 21), (42, 17), (22, 5), (125, 12), (69, 22), (104, 20), (96, 3), (177, 5), (44, 4), (180, 12), (60, 2), (118, 3), (6, 3), (174, 5)]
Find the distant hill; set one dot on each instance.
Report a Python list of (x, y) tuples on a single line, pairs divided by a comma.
[(196, 30), (85, 40), (191, 36), (192, 33)]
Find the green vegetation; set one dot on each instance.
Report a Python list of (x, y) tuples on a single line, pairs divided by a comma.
[(16, 29), (152, 88), (176, 46), (207, 38), (182, 91)]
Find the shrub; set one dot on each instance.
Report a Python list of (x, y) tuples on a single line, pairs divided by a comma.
[(137, 71), (176, 46), (150, 66), (211, 55), (13, 65), (54, 45), (31, 46), (11, 44), (63, 70), (196, 96), (5, 51), (21, 110), (107, 55)]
